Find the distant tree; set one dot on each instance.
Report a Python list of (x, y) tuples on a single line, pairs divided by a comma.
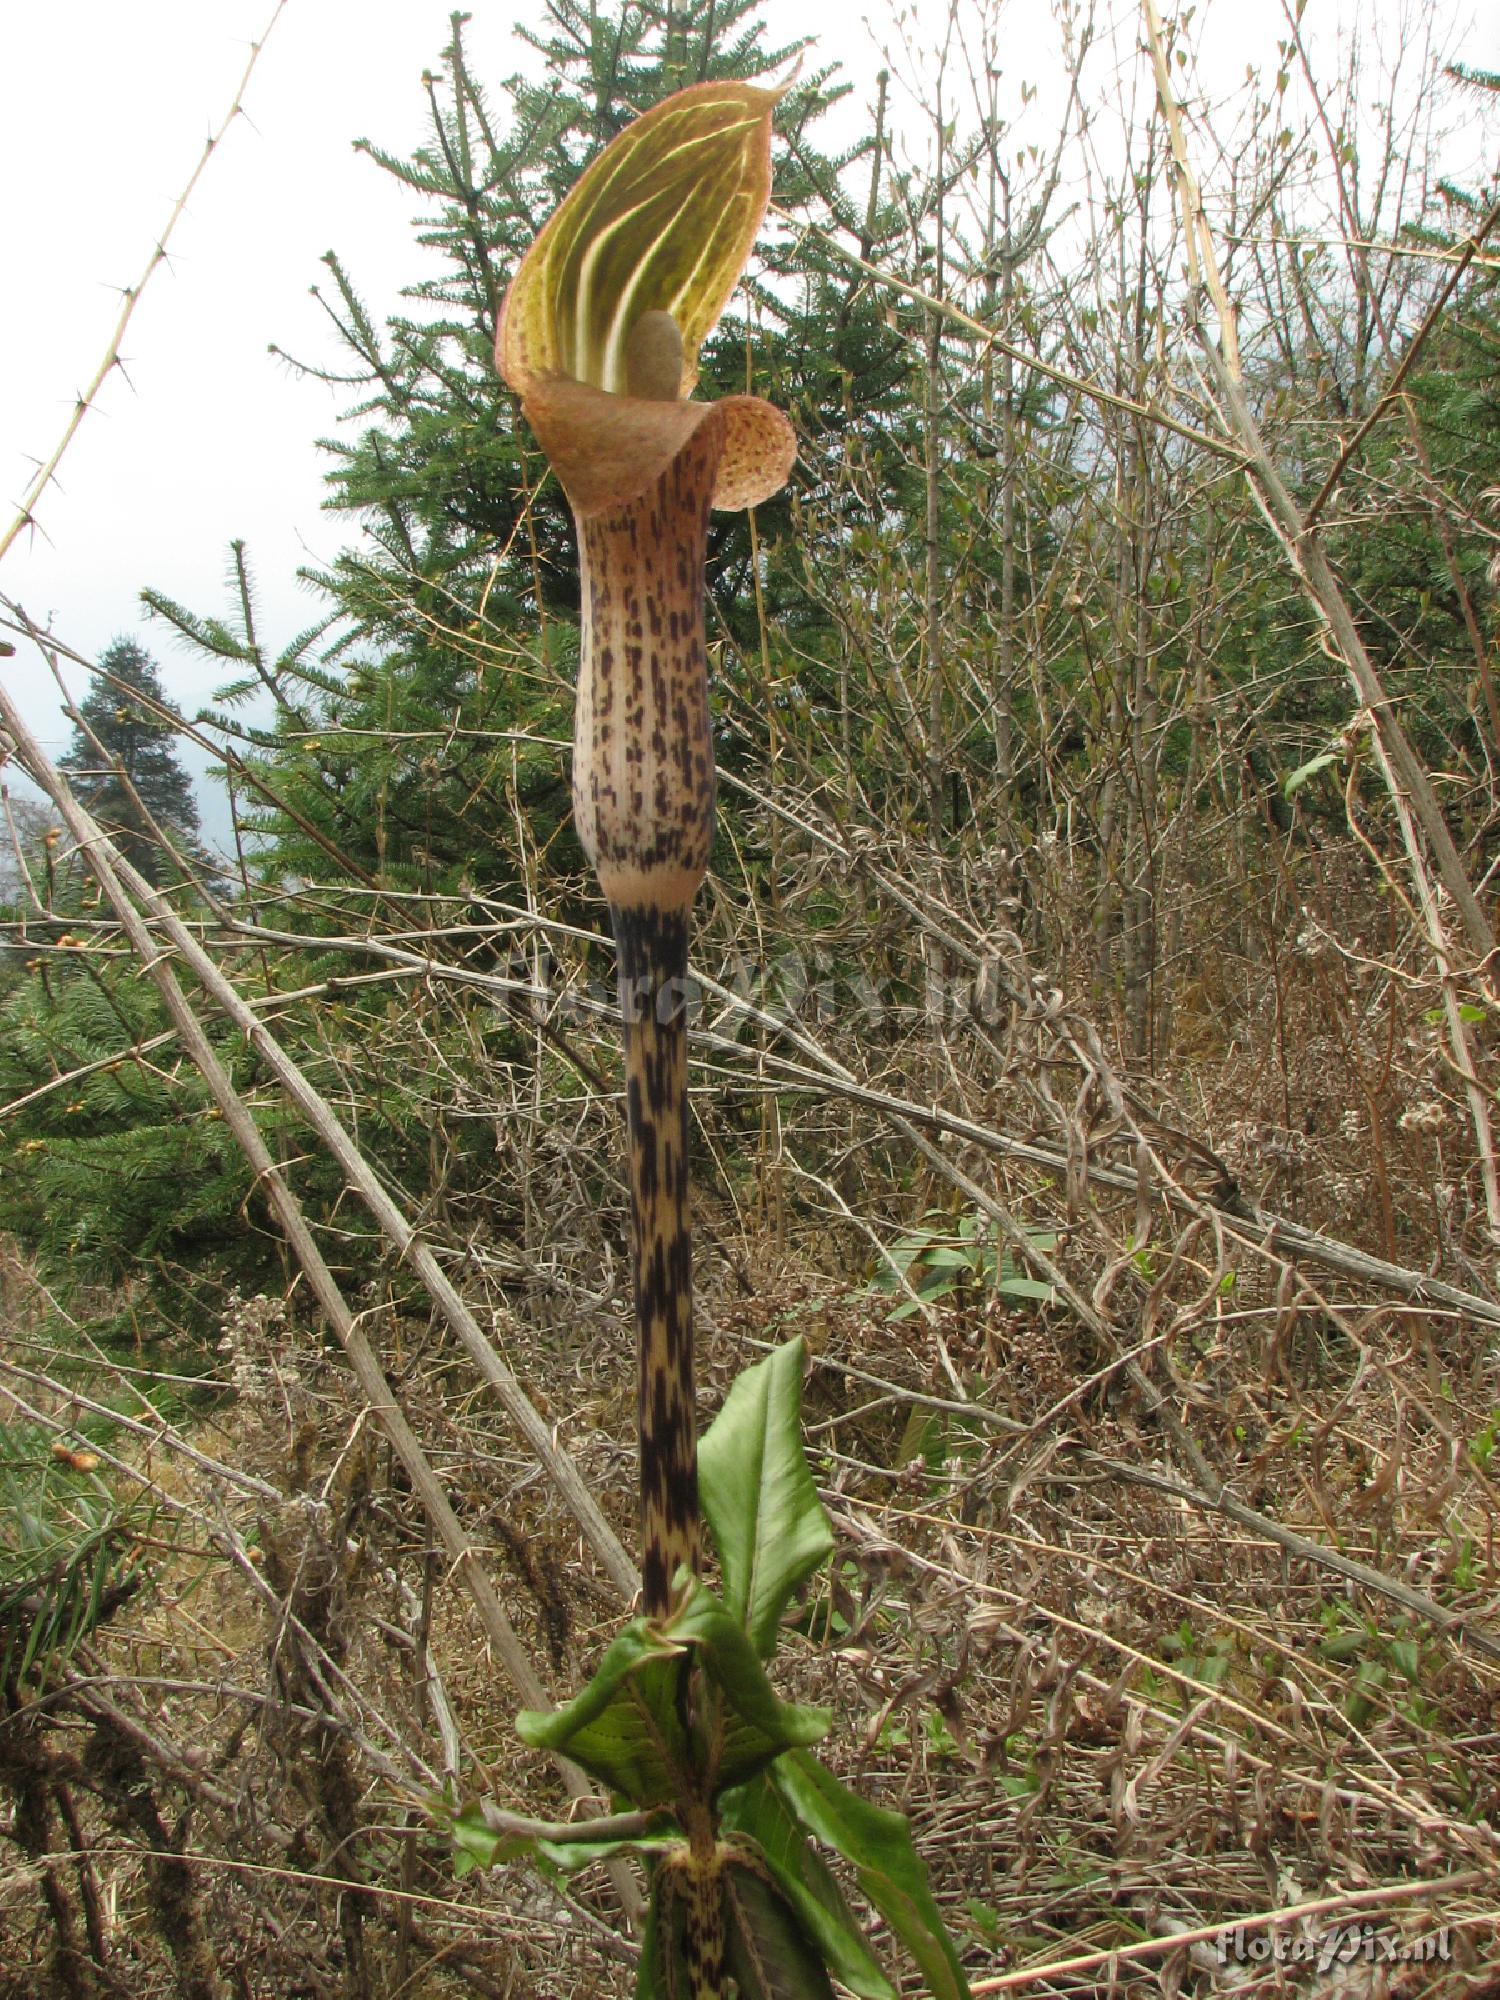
[(122, 759)]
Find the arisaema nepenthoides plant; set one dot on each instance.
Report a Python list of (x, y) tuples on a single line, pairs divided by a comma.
[(717, 1791)]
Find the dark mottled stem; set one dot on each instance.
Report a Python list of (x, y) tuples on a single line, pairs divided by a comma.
[(652, 946), (694, 1886), (643, 798)]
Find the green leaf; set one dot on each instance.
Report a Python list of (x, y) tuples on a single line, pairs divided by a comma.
[(1406, 1658), (759, 1812), (750, 1725), (1027, 1288), (1293, 782), (650, 1972), (661, 221), (926, 1296), (476, 1845), (628, 1727), (766, 1948), (758, 1495), (886, 1863), (1343, 1645), (624, 1728), (946, 1257)]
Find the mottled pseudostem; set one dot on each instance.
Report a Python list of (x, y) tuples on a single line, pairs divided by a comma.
[(652, 947), (698, 1874), (643, 798)]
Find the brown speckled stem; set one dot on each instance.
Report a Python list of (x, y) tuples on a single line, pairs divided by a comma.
[(653, 948), (643, 799)]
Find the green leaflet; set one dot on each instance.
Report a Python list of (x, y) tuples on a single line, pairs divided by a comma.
[(625, 1727), (759, 1812), (661, 221), (570, 1857), (768, 1951), (1293, 782), (758, 1496), (767, 1948), (628, 1727), (889, 1869), (477, 1844), (748, 1724)]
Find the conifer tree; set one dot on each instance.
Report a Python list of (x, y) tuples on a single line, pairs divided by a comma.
[(122, 759)]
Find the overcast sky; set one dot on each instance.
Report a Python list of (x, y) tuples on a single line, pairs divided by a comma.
[(103, 111)]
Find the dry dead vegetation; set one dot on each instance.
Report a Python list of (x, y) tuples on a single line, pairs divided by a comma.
[(1161, 1604), (1122, 1152)]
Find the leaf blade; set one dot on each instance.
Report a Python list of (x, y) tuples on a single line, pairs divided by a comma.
[(758, 1496), (758, 1811), (768, 1950), (754, 1725), (624, 1727), (885, 1860)]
